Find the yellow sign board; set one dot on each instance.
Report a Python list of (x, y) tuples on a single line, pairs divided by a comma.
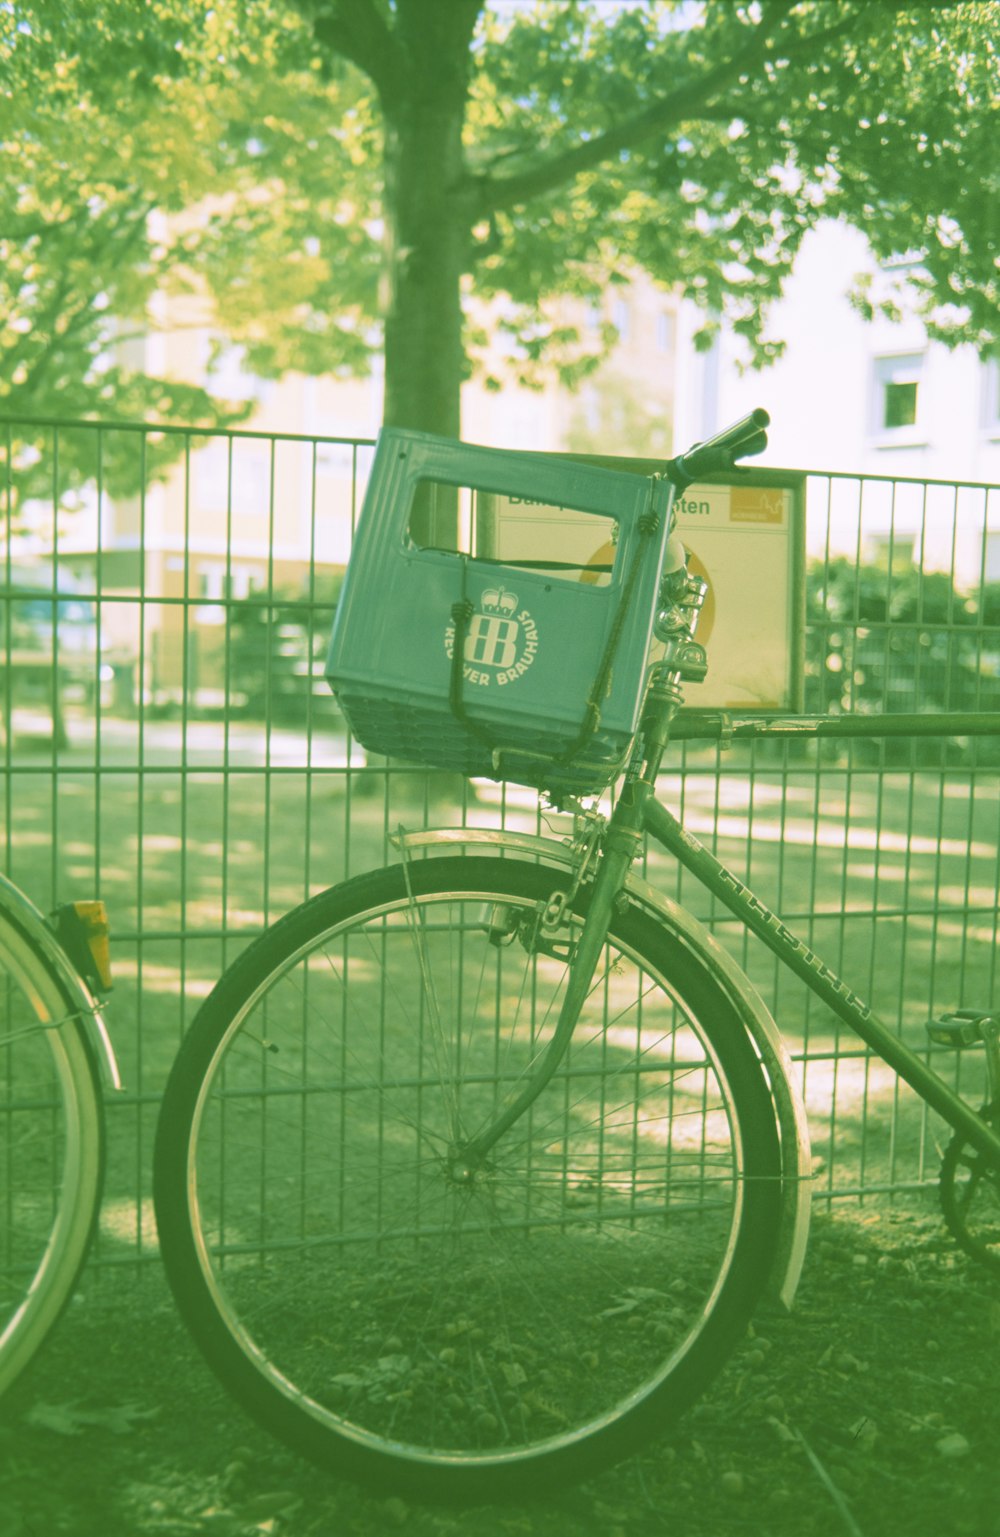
[(745, 537)]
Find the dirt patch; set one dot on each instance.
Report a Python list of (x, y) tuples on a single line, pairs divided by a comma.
[(871, 1410)]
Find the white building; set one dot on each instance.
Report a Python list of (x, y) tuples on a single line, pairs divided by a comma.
[(874, 399), (850, 395)]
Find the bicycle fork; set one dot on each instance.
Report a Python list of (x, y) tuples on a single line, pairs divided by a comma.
[(621, 846), (683, 597)]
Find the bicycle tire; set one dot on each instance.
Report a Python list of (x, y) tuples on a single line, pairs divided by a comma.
[(390, 1315), (51, 1147)]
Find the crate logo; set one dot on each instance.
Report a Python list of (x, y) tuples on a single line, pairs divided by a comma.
[(500, 643)]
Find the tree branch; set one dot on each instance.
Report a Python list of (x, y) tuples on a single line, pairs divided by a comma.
[(808, 42), (116, 246), (40, 226), (493, 193), (357, 31), (53, 342)]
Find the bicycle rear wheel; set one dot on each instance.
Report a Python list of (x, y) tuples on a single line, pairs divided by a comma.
[(51, 1147), (396, 1315)]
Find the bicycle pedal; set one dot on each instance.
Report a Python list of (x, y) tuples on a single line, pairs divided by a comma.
[(965, 1027)]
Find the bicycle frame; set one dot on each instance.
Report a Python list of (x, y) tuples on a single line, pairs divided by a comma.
[(640, 812), (819, 977), (637, 813)]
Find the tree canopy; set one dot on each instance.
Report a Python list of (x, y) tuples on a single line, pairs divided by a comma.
[(343, 175)]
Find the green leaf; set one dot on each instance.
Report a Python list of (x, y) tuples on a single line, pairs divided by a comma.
[(241, 159), (69, 1419)]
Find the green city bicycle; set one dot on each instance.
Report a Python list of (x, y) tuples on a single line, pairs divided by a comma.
[(472, 1171)]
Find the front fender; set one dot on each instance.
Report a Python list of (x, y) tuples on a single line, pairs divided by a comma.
[(26, 916), (789, 1110)]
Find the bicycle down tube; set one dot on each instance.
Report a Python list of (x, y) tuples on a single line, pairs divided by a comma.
[(824, 982)]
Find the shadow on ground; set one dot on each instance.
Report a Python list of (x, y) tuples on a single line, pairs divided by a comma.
[(871, 1411)]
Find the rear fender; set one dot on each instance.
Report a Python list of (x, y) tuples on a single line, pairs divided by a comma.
[(82, 1002)]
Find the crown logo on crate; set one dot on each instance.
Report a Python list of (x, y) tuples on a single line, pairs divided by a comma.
[(497, 600)]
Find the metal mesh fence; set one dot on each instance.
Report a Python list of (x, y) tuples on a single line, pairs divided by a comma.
[(170, 745)]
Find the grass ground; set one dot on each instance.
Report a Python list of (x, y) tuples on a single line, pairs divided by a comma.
[(870, 1411), (189, 829)]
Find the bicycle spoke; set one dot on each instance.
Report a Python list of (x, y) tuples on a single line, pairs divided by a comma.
[(525, 1299)]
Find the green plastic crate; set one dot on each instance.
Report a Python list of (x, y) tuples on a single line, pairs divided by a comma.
[(554, 652)]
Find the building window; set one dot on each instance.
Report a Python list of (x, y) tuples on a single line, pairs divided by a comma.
[(210, 476), (895, 550), (896, 406), (211, 586), (900, 403), (991, 397), (621, 317), (991, 556), (217, 582)]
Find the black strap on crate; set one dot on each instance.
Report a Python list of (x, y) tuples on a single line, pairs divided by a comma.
[(462, 611)]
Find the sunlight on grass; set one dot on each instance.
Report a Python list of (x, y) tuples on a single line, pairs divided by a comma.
[(682, 1046), (125, 1222), (829, 835), (160, 978), (878, 870), (849, 1084)]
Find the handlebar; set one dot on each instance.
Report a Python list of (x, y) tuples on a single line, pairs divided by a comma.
[(743, 439)]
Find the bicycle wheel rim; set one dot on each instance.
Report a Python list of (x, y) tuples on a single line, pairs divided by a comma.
[(51, 1151), (585, 1318)]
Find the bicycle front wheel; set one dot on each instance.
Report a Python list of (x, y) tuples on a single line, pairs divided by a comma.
[(51, 1147), (464, 1332)]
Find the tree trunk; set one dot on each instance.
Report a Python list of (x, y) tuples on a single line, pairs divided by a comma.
[(428, 217)]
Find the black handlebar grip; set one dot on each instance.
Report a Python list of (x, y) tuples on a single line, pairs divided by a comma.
[(740, 431), (751, 446), (743, 439)]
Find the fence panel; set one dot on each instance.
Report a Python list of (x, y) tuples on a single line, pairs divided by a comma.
[(169, 745)]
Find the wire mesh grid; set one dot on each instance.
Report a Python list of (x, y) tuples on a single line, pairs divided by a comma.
[(169, 744)]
